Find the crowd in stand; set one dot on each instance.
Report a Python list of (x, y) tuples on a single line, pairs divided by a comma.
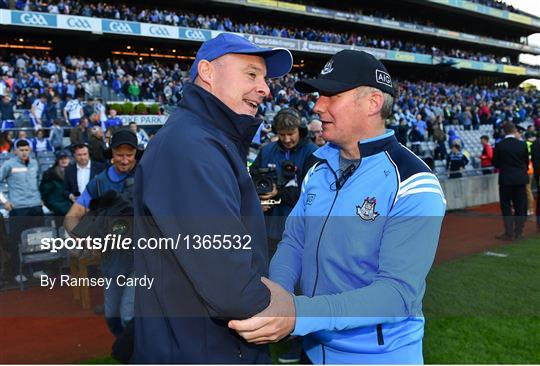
[(26, 77), (422, 112), (218, 22)]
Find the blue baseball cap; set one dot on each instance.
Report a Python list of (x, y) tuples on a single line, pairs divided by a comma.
[(278, 60)]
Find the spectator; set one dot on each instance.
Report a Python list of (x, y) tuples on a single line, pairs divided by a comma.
[(134, 91), (40, 143), (530, 138), (79, 134), (142, 136), (100, 111), (402, 132), (113, 122), (56, 136), (453, 139), (52, 188), (512, 158), (80, 172), (440, 152), (53, 110), (6, 112), (456, 162), (486, 158), (316, 132), (73, 111), (97, 145), (535, 154), (23, 201), (416, 138), (5, 143), (88, 109), (22, 136), (36, 112), (421, 126)]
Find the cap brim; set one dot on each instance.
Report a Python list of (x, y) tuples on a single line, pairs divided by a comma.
[(322, 86), (279, 61)]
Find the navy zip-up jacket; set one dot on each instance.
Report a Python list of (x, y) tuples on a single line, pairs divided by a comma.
[(193, 180)]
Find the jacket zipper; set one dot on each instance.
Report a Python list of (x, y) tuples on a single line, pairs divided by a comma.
[(320, 236)]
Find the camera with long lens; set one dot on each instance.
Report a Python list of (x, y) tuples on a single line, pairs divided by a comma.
[(264, 179), (288, 172)]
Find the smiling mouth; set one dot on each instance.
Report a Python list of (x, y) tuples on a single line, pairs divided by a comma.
[(253, 105)]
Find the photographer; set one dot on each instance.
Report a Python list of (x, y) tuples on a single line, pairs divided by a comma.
[(119, 301), (278, 168)]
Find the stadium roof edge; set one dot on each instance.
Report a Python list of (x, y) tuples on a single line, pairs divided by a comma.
[(288, 7), (521, 21)]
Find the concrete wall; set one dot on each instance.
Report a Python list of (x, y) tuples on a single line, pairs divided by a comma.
[(471, 191)]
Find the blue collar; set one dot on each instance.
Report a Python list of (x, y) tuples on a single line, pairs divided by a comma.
[(367, 147)]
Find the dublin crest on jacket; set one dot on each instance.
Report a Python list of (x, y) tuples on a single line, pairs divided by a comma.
[(367, 210)]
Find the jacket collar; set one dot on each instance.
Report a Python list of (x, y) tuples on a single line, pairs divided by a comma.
[(367, 147), (240, 128)]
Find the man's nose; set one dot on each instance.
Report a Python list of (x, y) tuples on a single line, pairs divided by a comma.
[(262, 88), (320, 105)]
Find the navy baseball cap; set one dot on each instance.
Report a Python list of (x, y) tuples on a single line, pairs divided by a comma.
[(278, 60), (346, 70), (123, 137)]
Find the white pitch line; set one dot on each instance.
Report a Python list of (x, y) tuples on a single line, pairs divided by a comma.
[(494, 254)]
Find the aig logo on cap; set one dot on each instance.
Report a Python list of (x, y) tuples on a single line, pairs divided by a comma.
[(328, 68), (383, 78)]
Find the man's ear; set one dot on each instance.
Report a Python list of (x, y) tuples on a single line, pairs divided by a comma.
[(376, 102), (205, 71)]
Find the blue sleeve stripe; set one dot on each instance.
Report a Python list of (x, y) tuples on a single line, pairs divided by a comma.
[(420, 182), (414, 177)]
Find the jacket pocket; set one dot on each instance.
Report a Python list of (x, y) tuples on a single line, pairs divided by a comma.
[(380, 338)]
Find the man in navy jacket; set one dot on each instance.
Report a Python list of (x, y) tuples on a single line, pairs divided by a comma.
[(192, 185)]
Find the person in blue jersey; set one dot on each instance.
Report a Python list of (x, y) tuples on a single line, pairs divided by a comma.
[(363, 235)]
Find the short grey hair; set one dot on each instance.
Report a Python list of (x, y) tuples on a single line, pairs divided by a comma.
[(388, 103)]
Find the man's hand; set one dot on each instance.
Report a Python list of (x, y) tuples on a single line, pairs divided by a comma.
[(268, 196), (273, 323), (72, 198), (8, 206)]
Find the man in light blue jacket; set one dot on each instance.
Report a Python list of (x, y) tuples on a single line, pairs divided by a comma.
[(23, 201), (363, 236)]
